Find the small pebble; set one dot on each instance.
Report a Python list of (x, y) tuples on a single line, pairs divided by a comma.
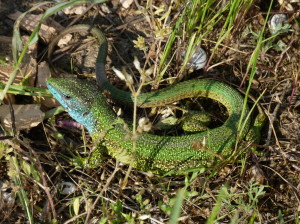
[(198, 59), (67, 188), (276, 22)]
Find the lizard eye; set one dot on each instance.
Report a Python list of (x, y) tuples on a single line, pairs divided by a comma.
[(67, 97)]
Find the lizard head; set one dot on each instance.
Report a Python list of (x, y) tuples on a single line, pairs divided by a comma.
[(75, 95)]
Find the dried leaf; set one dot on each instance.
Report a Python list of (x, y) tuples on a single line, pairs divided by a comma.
[(26, 116)]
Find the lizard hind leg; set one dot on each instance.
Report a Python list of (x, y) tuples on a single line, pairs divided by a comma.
[(254, 133), (196, 121)]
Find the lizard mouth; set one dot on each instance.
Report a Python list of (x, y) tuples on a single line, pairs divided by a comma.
[(49, 85), (85, 114)]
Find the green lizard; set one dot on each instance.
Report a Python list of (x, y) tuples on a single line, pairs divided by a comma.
[(160, 154)]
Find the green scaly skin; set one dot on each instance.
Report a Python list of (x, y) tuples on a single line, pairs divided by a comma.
[(160, 154)]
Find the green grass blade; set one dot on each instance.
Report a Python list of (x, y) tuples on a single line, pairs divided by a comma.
[(176, 210), (252, 64), (216, 209), (21, 192)]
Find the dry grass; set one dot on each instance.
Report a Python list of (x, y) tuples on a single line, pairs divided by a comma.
[(261, 188)]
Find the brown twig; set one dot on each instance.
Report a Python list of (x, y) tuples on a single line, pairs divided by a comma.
[(89, 210), (281, 55), (273, 115), (285, 180), (35, 160), (82, 14)]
